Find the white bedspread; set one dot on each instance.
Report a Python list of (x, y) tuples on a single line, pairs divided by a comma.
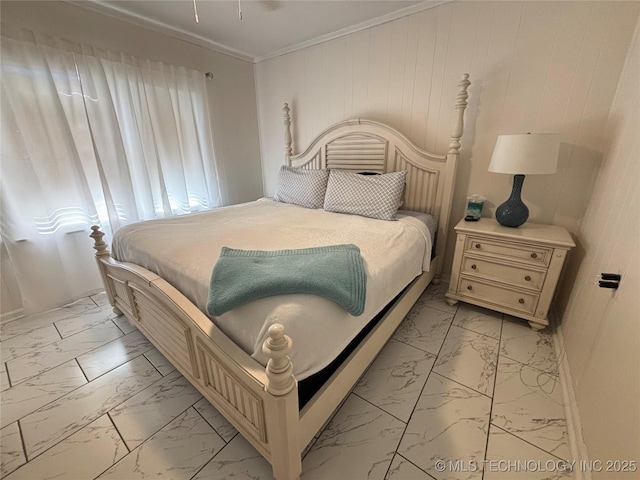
[(184, 249)]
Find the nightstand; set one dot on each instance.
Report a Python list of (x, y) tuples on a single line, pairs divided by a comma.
[(510, 270)]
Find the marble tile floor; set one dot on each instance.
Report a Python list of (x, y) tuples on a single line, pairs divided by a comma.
[(459, 392)]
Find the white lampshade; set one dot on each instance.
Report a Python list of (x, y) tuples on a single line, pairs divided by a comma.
[(526, 154)]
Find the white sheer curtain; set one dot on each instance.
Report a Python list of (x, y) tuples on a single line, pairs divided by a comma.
[(92, 137)]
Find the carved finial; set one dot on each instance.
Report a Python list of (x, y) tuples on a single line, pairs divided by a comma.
[(99, 245), (288, 151), (461, 105), (279, 367)]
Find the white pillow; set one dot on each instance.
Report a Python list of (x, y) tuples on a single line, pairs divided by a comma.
[(374, 196), (301, 186)]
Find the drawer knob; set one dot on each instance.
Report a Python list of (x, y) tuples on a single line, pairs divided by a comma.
[(521, 300), (478, 245), (527, 278), (534, 255), (469, 287), (474, 267)]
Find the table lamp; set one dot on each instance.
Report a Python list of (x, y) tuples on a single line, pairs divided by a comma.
[(520, 155)]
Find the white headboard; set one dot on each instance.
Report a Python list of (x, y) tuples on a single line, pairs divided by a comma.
[(368, 146)]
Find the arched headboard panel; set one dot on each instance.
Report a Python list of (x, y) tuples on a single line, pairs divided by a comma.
[(358, 152), (362, 145)]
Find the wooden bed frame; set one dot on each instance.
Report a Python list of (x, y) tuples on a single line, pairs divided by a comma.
[(262, 403)]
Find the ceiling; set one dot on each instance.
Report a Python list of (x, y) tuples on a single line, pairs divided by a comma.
[(268, 27)]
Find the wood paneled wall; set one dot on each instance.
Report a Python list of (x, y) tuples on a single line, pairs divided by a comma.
[(534, 66), (601, 328)]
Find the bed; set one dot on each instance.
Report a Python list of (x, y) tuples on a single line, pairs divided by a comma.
[(253, 372)]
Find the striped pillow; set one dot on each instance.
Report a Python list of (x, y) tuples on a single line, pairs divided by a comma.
[(301, 186), (374, 196)]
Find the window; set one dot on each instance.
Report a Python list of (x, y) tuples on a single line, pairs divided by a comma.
[(91, 136)]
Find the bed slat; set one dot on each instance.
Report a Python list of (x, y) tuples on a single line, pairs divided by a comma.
[(231, 394), (356, 152), (167, 330), (422, 185), (121, 296)]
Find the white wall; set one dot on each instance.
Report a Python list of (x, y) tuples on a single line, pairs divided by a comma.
[(534, 66), (601, 329)]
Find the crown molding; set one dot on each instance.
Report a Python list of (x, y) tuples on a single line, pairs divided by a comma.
[(123, 14), (158, 26), (389, 17)]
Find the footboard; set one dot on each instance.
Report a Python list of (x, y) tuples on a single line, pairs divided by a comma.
[(262, 404)]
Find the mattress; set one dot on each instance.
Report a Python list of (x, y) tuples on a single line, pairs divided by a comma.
[(184, 249)]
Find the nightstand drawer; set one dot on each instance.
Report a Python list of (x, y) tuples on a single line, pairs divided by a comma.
[(523, 276), (522, 302), (532, 254)]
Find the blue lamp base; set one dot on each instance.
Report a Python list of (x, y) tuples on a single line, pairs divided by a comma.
[(513, 212)]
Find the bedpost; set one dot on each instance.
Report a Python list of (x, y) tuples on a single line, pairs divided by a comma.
[(102, 252), (279, 367), (450, 175), (283, 420), (288, 151), (461, 105)]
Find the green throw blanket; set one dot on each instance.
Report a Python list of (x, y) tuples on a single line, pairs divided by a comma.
[(335, 272)]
